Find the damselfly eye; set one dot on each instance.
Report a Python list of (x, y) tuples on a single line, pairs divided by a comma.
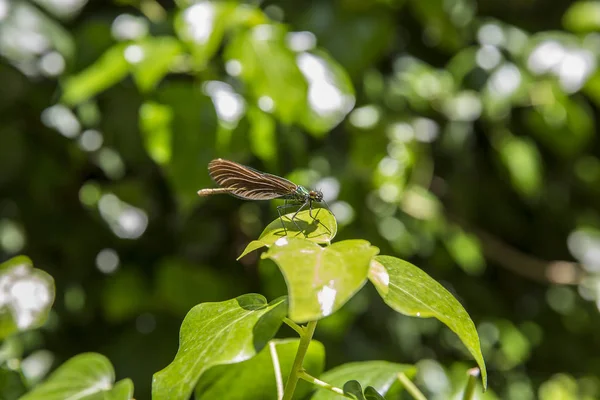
[(316, 195)]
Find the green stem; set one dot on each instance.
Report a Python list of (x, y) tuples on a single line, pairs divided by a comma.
[(410, 387), (324, 385), (470, 389), (294, 326), (305, 339)]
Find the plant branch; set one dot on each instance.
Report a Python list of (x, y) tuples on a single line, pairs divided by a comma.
[(323, 385), (294, 326), (556, 272), (410, 387), (305, 339)]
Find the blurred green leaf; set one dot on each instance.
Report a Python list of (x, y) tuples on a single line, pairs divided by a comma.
[(466, 251), (321, 227), (269, 70), (562, 123), (182, 123), (410, 291), (157, 56), (368, 31), (380, 375), (181, 285), (263, 139), (125, 295), (12, 385), (27, 295), (582, 17), (330, 92), (523, 162), (105, 72), (218, 333), (320, 280), (441, 27), (155, 125), (87, 376), (202, 25), (255, 378)]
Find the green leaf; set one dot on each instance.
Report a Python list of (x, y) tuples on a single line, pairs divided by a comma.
[(202, 26), (27, 295), (523, 162), (381, 375), (262, 135), (218, 333), (107, 71), (582, 17), (372, 394), (179, 130), (330, 92), (255, 378), (12, 385), (565, 125), (181, 285), (87, 376), (353, 388), (319, 228), (158, 55), (321, 280), (410, 291), (269, 69), (155, 125)]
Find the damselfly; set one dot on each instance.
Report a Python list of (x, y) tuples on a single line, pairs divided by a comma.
[(249, 184)]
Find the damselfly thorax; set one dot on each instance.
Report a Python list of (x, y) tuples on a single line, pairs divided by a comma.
[(249, 184)]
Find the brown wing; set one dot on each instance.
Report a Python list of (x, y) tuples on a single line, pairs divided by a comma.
[(248, 183)]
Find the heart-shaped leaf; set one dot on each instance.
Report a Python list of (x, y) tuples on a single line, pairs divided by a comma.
[(26, 296), (320, 280), (87, 376), (255, 378), (410, 291), (320, 227), (218, 333), (380, 375)]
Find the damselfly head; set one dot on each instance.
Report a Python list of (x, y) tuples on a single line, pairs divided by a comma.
[(316, 195)]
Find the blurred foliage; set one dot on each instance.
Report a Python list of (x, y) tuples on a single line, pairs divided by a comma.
[(456, 134)]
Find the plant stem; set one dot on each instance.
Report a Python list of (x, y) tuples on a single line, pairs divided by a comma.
[(324, 385), (276, 369), (294, 326), (305, 339), (410, 387), (470, 389)]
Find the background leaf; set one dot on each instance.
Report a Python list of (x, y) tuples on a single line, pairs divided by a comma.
[(27, 294)]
